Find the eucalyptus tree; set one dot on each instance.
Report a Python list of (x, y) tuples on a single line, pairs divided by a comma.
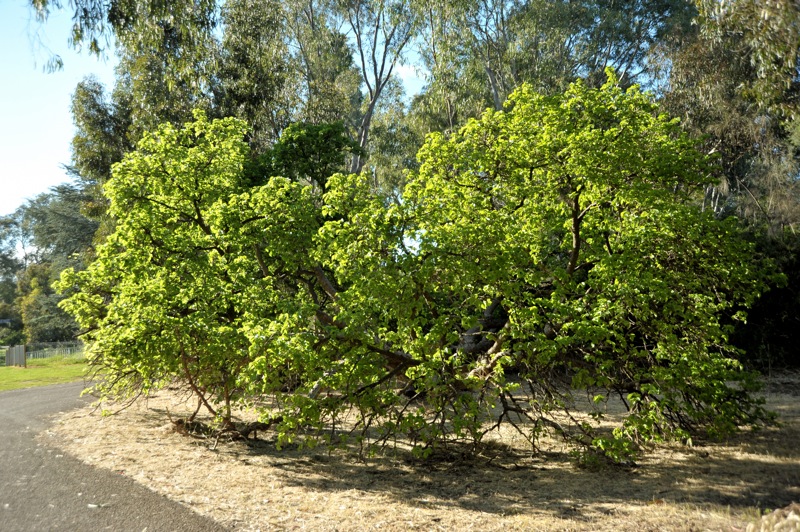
[(102, 137), (154, 83), (380, 30), (142, 24), (254, 78), (734, 80), (395, 136), (757, 157), (329, 81), (478, 52), (768, 34), (734, 83)]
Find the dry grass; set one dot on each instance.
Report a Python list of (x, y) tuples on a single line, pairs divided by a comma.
[(254, 486)]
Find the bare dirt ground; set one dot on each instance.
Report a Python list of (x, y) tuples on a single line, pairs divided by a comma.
[(254, 486)]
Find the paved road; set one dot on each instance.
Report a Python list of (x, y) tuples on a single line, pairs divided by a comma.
[(41, 488)]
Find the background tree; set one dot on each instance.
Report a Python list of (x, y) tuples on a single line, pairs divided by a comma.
[(43, 237), (10, 265), (381, 30), (396, 133), (756, 151), (276, 63), (478, 52), (310, 153), (11, 333), (768, 33), (254, 74), (102, 137), (329, 80), (42, 319), (59, 231), (744, 106)]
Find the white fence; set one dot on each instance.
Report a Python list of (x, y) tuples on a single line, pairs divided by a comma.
[(60, 351), (17, 355)]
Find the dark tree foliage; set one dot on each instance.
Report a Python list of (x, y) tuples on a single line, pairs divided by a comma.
[(770, 337), (767, 34), (11, 333), (172, 25), (59, 229), (43, 320), (101, 137), (744, 108), (10, 263), (59, 236), (312, 152)]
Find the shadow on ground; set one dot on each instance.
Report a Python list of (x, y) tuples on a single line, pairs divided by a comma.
[(753, 470)]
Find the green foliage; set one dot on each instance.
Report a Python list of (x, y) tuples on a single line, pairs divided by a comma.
[(477, 53), (767, 34), (42, 319), (45, 235), (254, 70), (159, 280), (744, 109), (310, 152), (101, 139), (327, 79), (575, 212), (55, 221), (10, 263), (756, 157), (545, 250), (11, 333), (102, 125)]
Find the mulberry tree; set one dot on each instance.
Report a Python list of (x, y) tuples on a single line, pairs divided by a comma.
[(548, 251)]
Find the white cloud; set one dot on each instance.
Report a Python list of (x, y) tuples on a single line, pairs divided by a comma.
[(413, 78)]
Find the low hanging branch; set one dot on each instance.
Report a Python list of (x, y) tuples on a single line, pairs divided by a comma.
[(190, 380)]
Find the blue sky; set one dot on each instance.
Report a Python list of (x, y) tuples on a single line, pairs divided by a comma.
[(34, 105)]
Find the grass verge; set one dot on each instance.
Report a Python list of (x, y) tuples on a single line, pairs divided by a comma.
[(42, 372)]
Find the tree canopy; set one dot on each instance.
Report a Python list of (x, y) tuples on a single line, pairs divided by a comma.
[(547, 250)]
